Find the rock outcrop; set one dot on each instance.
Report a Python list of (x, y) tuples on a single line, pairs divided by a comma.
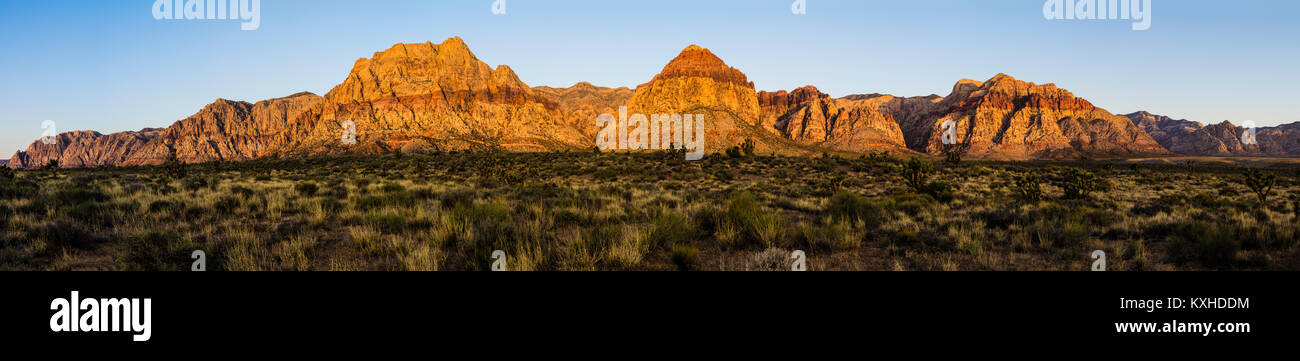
[(442, 95), (811, 117), (1007, 118), (1193, 138), (417, 98), (232, 131), (84, 149)]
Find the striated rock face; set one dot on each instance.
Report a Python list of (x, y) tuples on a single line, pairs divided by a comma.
[(811, 117), (1193, 138), (441, 94), (802, 121), (582, 103), (231, 131), (418, 98), (1007, 118), (84, 149), (698, 82)]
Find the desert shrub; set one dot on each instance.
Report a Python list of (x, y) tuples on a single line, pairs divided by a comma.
[(89, 212), (162, 206), (1028, 188), (1211, 245), (671, 228), (154, 251), (747, 148), (457, 197), (18, 189), (832, 236), (392, 188), (306, 189), (757, 226), (734, 152), (911, 203), (685, 257), (226, 205), (941, 191), (391, 199), (194, 183), (241, 191), (388, 223), (849, 207), (79, 195), (916, 174), (332, 206), (1079, 184), (64, 235), (475, 213)]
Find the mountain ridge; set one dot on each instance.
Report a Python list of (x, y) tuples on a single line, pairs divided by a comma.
[(426, 97)]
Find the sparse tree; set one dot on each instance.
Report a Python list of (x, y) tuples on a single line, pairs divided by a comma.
[(174, 166), (1260, 183), (747, 148), (51, 166), (1029, 188), (916, 173)]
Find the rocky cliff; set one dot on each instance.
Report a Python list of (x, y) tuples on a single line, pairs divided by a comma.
[(1193, 138), (1007, 118), (427, 97), (84, 148)]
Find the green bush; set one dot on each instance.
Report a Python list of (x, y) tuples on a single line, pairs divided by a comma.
[(849, 207), (757, 226), (671, 228), (686, 258), (1213, 246), (916, 174), (1028, 188), (1079, 184), (154, 251), (306, 189)]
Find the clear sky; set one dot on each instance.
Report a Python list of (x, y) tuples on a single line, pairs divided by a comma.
[(110, 66)]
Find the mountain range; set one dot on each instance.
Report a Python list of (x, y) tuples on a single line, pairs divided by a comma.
[(424, 98)]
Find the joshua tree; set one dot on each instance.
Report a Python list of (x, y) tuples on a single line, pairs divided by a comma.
[(175, 167), (748, 147), (916, 173), (1029, 188), (1260, 183), (52, 166)]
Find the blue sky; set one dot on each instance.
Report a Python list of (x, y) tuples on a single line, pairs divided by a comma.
[(110, 66)]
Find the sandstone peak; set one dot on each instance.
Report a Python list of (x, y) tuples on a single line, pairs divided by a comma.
[(698, 62)]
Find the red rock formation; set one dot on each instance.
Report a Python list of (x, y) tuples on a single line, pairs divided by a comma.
[(1008, 118), (1193, 138), (83, 149), (231, 131), (442, 95), (420, 97)]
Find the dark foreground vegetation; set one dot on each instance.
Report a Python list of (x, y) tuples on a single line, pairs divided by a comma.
[(584, 211)]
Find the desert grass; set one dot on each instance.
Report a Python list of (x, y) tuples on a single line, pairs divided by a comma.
[(583, 211)]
